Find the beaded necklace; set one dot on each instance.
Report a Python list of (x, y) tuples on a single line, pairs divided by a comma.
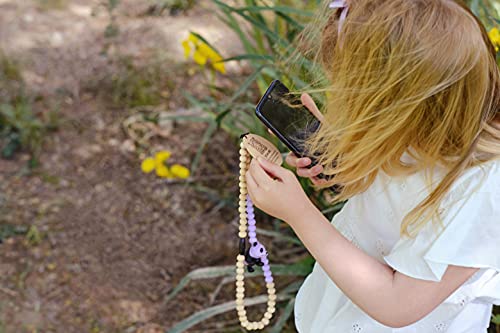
[(253, 146)]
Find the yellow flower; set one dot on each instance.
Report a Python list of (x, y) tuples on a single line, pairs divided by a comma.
[(148, 165), (163, 172), (203, 53), (161, 157), (187, 48), (179, 171), (199, 58), (494, 35)]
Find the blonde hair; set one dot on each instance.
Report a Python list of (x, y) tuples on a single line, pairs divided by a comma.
[(414, 76)]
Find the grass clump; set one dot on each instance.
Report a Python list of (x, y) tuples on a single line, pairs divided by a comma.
[(21, 128)]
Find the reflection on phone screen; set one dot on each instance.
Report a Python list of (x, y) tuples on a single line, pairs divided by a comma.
[(287, 114)]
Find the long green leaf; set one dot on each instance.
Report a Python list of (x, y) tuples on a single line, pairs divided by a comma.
[(263, 57), (301, 268), (277, 9), (205, 139), (278, 327), (200, 316)]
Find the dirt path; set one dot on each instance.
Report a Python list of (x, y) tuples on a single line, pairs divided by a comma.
[(107, 242)]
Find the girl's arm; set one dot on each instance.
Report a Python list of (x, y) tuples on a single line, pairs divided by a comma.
[(391, 298)]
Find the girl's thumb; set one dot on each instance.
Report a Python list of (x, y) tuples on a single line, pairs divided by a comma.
[(272, 169)]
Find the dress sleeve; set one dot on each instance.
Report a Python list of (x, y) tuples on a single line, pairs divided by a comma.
[(470, 237)]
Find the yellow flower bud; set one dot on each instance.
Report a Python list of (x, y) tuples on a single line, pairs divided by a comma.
[(187, 48), (148, 165), (179, 171), (161, 157), (163, 172)]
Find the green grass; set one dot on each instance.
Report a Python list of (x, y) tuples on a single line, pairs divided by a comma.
[(52, 4), (21, 128)]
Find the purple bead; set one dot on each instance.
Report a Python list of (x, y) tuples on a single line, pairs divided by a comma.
[(267, 273), (265, 260), (252, 239), (252, 234), (269, 279), (252, 228), (266, 268)]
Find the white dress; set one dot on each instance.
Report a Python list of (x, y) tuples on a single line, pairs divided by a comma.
[(371, 220)]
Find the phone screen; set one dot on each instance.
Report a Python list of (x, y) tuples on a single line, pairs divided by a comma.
[(295, 124)]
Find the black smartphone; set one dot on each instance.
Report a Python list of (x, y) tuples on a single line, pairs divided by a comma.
[(287, 118)]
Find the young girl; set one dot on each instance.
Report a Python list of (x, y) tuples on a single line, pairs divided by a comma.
[(412, 123)]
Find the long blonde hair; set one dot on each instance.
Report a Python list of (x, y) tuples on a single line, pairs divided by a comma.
[(402, 76)]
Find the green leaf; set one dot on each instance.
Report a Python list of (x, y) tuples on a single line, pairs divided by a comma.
[(262, 57), (301, 268), (200, 316), (277, 9), (200, 37), (212, 127), (278, 327)]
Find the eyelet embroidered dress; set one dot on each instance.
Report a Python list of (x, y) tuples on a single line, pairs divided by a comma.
[(371, 220)]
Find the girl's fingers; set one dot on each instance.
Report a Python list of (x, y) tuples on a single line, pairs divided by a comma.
[(271, 170), (259, 175), (309, 173), (251, 184), (311, 106), (294, 161), (317, 181)]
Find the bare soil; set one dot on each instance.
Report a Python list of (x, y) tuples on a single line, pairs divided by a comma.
[(109, 242)]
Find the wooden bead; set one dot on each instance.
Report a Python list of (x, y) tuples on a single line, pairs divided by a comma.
[(239, 277), (242, 234), (265, 321), (243, 228), (271, 291), (271, 303), (272, 297), (271, 310), (240, 257), (268, 315), (240, 295), (240, 290), (240, 307), (270, 285), (239, 264), (239, 302)]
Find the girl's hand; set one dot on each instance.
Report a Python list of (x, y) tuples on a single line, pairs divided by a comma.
[(301, 163), (275, 190)]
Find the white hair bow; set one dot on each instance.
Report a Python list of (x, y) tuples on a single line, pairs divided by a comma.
[(340, 4)]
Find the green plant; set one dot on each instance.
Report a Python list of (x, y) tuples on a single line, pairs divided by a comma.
[(134, 86), (10, 230), (52, 4), (173, 6), (20, 128)]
